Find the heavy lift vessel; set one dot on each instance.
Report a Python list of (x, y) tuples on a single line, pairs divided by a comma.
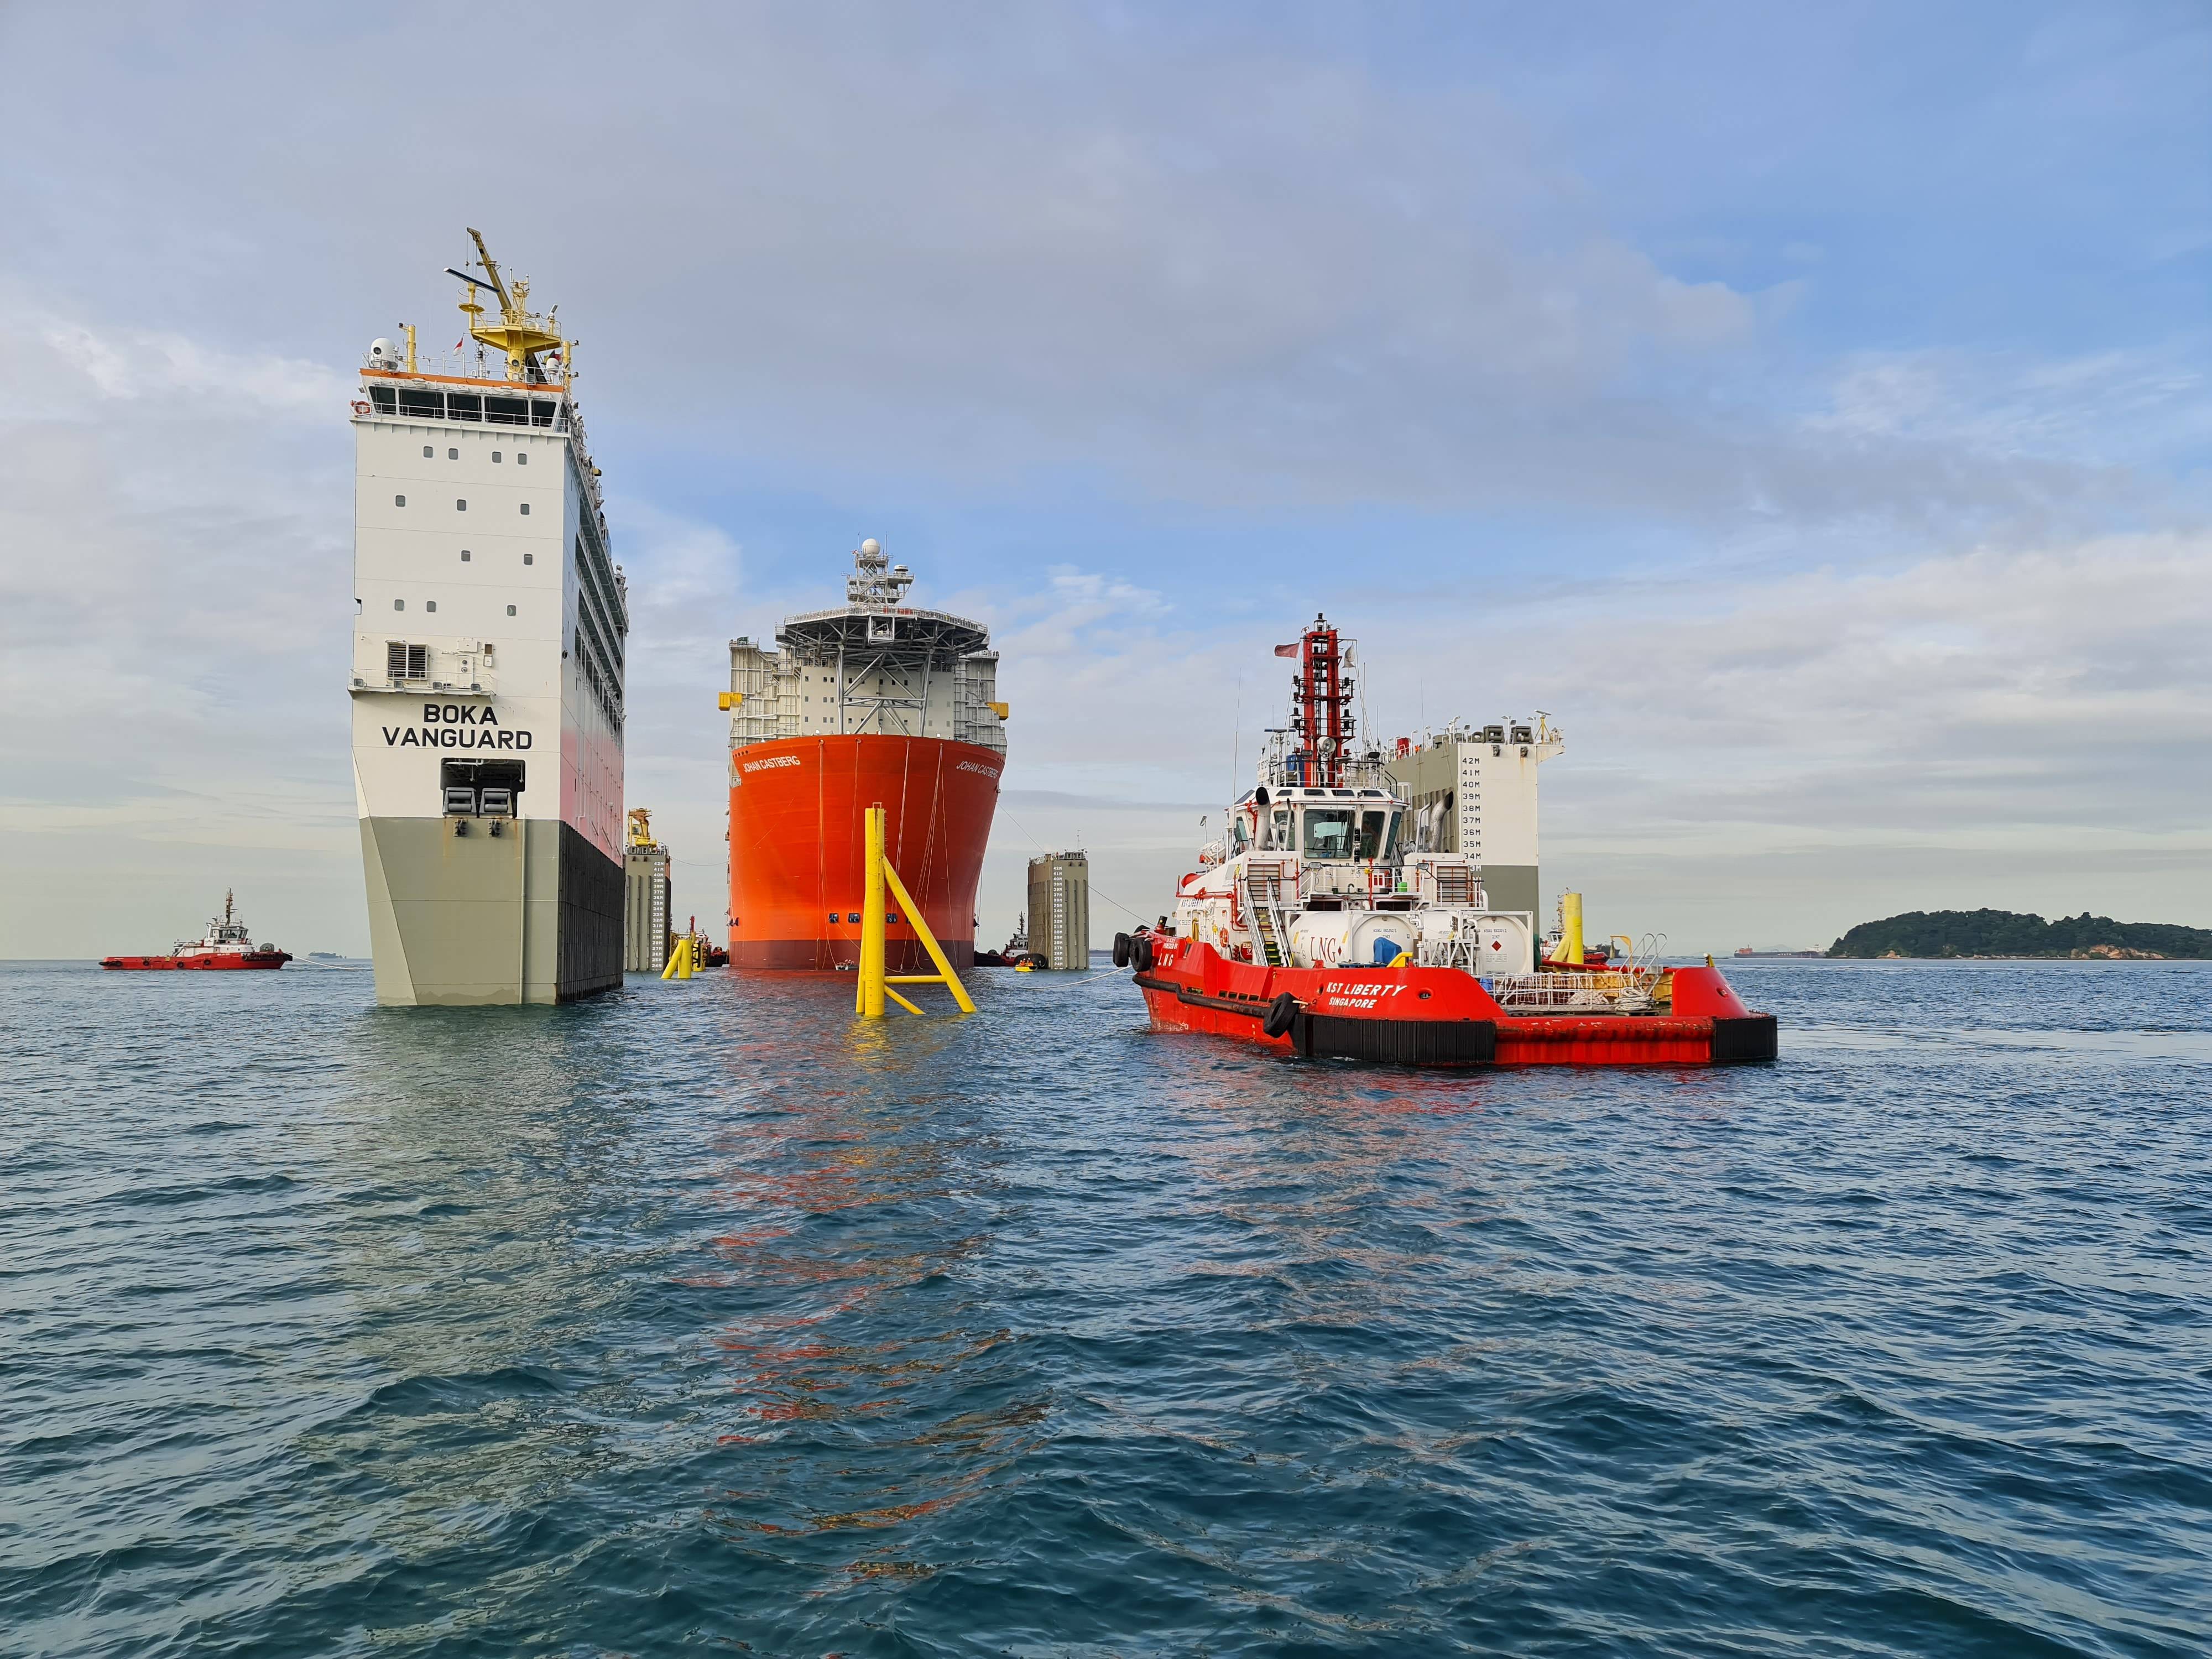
[(875, 702)]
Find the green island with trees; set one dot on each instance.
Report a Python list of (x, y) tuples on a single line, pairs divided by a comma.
[(1955, 933)]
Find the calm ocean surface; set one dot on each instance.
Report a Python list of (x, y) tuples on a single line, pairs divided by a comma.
[(698, 1320)]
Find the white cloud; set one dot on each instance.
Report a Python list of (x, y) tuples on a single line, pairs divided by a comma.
[(879, 258)]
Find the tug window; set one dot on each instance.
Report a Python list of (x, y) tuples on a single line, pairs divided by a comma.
[(1237, 842), (1328, 832), (1284, 838), (1371, 827)]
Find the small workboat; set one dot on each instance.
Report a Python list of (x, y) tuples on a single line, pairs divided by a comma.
[(225, 945)]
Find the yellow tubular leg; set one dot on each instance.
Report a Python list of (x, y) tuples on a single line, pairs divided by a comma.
[(929, 941), (872, 921)]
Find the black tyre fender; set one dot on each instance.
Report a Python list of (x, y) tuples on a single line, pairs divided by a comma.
[(1140, 953), (1280, 1013), (1120, 949)]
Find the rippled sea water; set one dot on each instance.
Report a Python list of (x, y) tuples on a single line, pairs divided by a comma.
[(700, 1319)]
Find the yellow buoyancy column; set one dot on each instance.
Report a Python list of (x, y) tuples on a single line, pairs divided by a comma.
[(1569, 953)]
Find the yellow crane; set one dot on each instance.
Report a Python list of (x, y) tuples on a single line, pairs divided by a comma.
[(519, 333)]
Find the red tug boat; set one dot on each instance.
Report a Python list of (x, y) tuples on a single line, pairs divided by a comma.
[(226, 945), (1336, 921)]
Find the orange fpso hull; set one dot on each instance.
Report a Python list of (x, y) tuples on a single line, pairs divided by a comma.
[(797, 840)]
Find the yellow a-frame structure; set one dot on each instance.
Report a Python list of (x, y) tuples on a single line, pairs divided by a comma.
[(875, 984)]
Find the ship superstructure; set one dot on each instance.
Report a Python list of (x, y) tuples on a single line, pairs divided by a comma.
[(1326, 862), (875, 702), (1473, 790), (491, 623)]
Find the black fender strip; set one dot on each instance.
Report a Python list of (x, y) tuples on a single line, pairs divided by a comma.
[(1396, 1042), (1746, 1041)]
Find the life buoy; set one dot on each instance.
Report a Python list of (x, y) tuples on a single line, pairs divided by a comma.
[(1140, 953), (1120, 949), (359, 407), (1280, 1013)]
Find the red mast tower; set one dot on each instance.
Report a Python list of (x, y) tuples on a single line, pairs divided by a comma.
[(1323, 719)]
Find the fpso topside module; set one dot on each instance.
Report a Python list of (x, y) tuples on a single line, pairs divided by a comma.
[(873, 703)]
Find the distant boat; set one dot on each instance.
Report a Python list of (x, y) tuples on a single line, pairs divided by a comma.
[(225, 945), (1016, 953)]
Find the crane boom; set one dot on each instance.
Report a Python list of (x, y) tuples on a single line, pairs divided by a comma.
[(491, 269)]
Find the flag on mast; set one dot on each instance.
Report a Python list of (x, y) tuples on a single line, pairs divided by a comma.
[(1286, 651)]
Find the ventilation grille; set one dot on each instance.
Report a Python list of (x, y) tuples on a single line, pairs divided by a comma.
[(403, 661)]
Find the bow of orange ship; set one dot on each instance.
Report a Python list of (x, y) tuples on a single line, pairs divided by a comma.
[(873, 703)]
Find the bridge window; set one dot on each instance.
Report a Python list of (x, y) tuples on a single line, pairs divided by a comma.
[(1328, 832), (1372, 825)]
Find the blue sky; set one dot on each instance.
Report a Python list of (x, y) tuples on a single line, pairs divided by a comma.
[(1808, 406)]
